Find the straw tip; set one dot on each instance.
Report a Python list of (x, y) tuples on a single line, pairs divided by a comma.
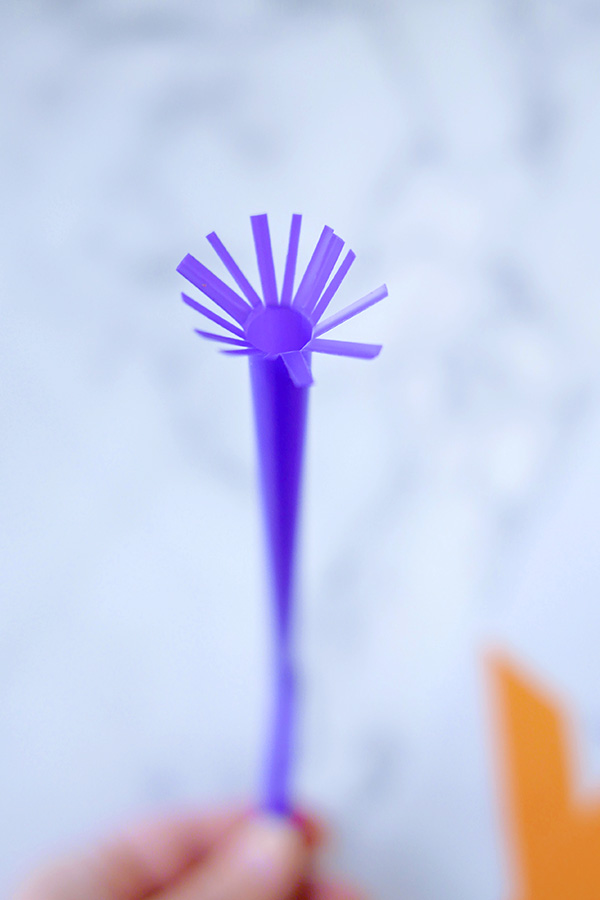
[(185, 263)]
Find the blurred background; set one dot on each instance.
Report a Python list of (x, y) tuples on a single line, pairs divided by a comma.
[(451, 485)]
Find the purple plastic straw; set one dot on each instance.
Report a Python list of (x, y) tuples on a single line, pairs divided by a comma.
[(280, 415), (279, 337)]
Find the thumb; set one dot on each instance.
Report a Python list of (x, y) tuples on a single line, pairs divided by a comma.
[(264, 859)]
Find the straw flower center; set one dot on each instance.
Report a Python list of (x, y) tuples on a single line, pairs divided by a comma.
[(277, 329)]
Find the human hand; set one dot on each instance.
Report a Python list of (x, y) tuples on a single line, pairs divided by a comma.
[(220, 856)]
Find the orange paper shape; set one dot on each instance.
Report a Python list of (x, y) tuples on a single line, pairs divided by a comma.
[(554, 831)]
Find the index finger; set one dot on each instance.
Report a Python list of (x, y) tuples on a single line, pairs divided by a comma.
[(141, 860)]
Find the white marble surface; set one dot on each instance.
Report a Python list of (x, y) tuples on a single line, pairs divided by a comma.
[(455, 146)]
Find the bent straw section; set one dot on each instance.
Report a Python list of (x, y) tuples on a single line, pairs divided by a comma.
[(345, 348), (312, 269), (331, 257), (264, 257), (233, 269), (291, 260), (221, 337), (298, 368), (219, 292), (249, 352), (333, 286), (350, 311), (218, 320)]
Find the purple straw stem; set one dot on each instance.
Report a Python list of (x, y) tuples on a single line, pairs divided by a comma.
[(350, 311), (280, 410), (219, 292), (233, 269), (290, 263), (218, 320), (344, 348), (264, 257), (332, 287)]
